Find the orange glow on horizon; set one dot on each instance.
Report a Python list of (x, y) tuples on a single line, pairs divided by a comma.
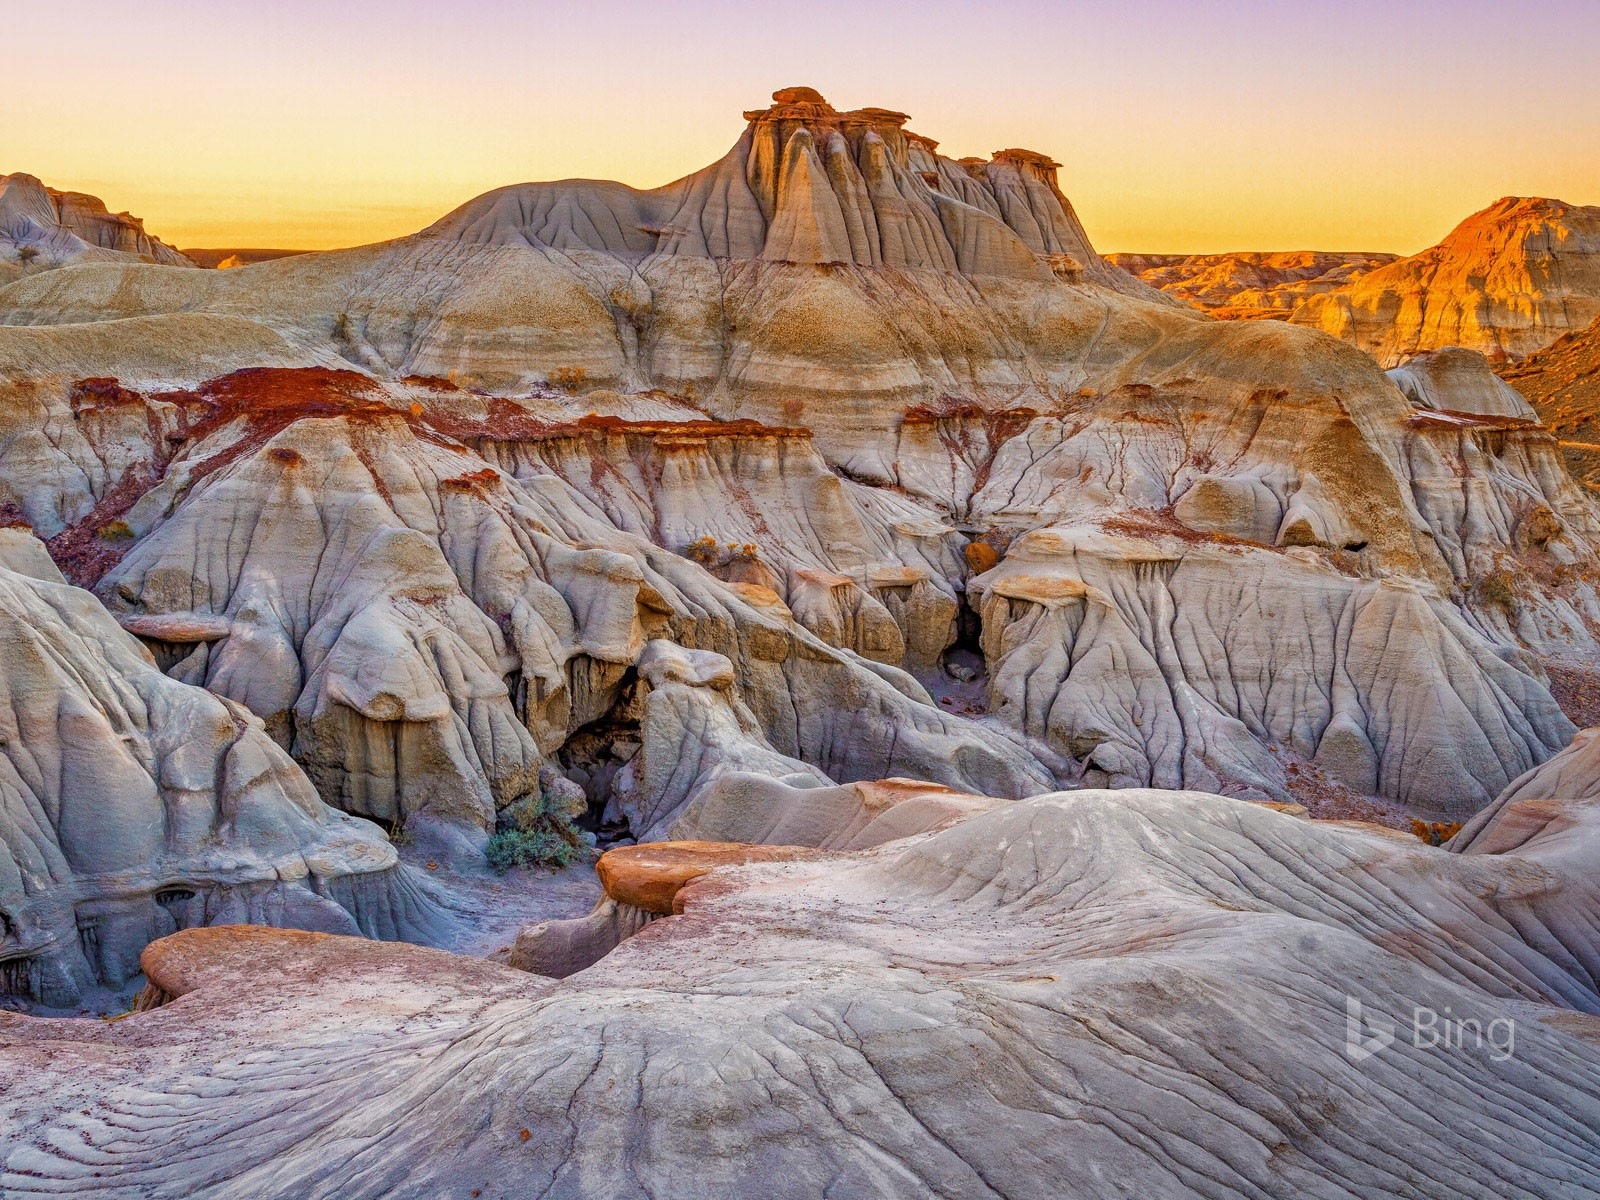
[(1184, 128)]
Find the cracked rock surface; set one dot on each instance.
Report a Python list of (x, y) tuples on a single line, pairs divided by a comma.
[(1083, 993)]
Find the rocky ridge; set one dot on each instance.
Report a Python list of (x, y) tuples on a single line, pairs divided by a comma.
[(1507, 281), (1251, 285), (42, 228)]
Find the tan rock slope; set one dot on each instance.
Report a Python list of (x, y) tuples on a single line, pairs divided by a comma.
[(1562, 383), (1251, 285), (41, 228), (1507, 281), (1093, 994)]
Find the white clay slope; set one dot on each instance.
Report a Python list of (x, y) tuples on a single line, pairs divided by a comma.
[(1092, 994), (132, 805)]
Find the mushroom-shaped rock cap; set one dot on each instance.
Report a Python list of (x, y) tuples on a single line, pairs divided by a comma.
[(1026, 158), (798, 95), (650, 876)]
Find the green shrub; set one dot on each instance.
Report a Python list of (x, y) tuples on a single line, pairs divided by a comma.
[(541, 848), (537, 831)]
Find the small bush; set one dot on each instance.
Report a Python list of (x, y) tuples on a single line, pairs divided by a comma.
[(569, 379), (1500, 589), (537, 832), (26, 254), (703, 550), (542, 848), (1435, 833), (116, 531)]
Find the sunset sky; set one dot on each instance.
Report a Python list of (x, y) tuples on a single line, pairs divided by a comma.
[(1184, 126)]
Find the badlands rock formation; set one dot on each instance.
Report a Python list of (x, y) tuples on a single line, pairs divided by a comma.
[(807, 523), (1093, 994), (835, 462), (1507, 281), (424, 631), (132, 805), (42, 228), (786, 393), (1249, 286), (1460, 381), (1562, 382), (1555, 798)]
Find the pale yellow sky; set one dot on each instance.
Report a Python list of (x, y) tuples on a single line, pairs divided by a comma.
[(1183, 127)]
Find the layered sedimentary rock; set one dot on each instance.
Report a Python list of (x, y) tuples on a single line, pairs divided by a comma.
[(1454, 380), (132, 805), (862, 567), (1251, 285), (1271, 516), (41, 228), (1359, 504), (1562, 382), (1556, 798), (1506, 281), (1092, 993), (810, 184), (842, 375), (734, 280), (694, 731), (807, 394), (826, 511), (1213, 665), (425, 632)]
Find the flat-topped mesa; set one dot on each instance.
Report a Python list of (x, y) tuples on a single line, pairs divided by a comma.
[(807, 104)]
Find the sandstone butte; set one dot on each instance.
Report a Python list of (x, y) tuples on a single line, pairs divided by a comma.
[(1003, 692), (1506, 282)]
